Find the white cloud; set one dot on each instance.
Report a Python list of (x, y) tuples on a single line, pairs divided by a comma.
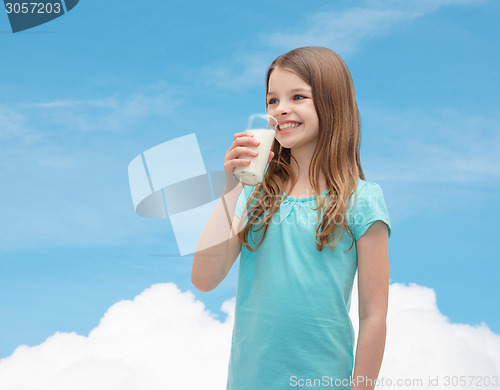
[(346, 30), (431, 162), (107, 114), (59, 182), (14, 125), (442, 145), (422, 342), (60, 194), (166, 339), (106, 103), (163, 339), (244, 71), (343, 30)]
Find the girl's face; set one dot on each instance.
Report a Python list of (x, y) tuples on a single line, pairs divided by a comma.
[(290, 101)]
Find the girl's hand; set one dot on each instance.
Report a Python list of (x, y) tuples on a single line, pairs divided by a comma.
[(242, 146)]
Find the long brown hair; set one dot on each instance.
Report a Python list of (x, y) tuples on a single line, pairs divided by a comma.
[(336, 154)]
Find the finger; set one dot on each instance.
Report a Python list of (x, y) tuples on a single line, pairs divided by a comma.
[(242, 134), (238, 151), (246, 141), (232, 164), (242, 139)]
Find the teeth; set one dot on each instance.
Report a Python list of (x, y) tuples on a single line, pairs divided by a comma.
[(289, 125)]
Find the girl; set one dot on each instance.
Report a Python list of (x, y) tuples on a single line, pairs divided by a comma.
[(302, 234)]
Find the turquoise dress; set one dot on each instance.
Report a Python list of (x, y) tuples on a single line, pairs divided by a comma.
[(292, 327)]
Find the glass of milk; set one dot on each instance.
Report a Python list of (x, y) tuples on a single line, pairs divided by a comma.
[(262, 127)]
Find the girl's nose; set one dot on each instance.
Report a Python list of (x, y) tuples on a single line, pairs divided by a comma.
[(281, 110)]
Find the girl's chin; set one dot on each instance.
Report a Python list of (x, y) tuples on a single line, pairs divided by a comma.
[(286, 144), (297, 143)]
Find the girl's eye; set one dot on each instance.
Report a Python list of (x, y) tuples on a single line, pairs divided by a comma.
[(298, 97), (272, 101)]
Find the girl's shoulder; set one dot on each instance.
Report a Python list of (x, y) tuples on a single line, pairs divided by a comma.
[(369, 206), (363, 187), (366, 192)]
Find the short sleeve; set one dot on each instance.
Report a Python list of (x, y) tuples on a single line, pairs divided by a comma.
[(369, 207), (240, 204), (243, 199)]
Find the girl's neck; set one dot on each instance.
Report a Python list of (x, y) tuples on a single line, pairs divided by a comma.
[(303, 188), (303, 156)]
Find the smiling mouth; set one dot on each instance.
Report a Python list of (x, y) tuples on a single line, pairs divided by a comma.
[(288, 126)]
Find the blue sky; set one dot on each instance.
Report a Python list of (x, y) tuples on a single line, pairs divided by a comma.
[(81, 96)]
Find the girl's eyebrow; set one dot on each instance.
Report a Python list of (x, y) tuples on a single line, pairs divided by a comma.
[(295, 90)]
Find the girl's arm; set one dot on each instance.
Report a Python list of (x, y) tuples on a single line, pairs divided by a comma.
[(218, 246), (373, 290)]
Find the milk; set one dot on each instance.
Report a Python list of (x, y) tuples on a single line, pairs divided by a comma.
[(253, 173)]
